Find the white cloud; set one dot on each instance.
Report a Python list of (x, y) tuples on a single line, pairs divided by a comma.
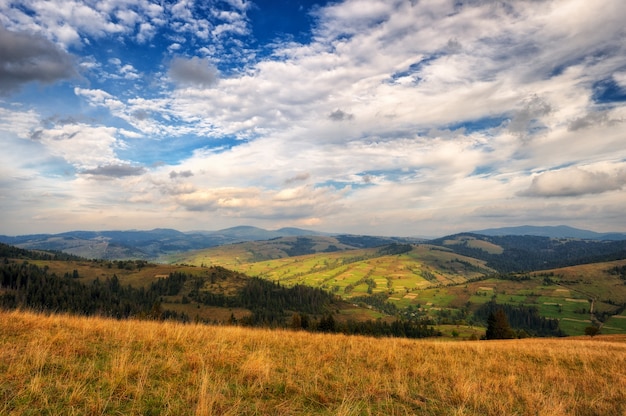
[(129, 72), (576, 181), (620, 79), (252, 203), (433, 113), (146, 32), (100, 98), (18, 122), (128, 17), (84, 146), (72, 22), (174, 47)]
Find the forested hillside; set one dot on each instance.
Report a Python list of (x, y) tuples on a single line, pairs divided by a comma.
[(26, 285), (529, 253), (9, 251), (398, 289)]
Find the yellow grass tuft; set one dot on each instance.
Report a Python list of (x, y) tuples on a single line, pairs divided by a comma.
[(65, 365)]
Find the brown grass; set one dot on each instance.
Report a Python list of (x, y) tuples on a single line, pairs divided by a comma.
[(67, 365)]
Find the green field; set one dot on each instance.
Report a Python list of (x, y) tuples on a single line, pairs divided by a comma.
[(426, 281), (437, 282), (344, 272)]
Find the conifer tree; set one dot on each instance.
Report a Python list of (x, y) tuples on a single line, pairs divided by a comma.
[(498, 326)]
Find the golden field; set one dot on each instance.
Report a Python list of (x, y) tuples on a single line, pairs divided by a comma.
[(63, 365)]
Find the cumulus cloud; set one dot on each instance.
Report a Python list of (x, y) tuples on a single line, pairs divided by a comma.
[(529, 116), (181, 174), (443, 92), (129, 72), (575, 181), (298, 178), (78, 22), (115, 171), (589, 120), (340, 115), (620, 79), (19, 123), (146, 32), (252, 202), (82, 145), (361, 15), (25, 57), (195, 71), (220, 198)]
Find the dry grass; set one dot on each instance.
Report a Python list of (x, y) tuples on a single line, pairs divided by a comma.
[(68, 365)]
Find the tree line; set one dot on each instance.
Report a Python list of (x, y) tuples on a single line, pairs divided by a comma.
[(28, 286), (12, 252), (520, 317), (530, 253)]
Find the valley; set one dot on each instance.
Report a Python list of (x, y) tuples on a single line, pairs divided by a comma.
[(448, 283), (315, 325), (437, 283)]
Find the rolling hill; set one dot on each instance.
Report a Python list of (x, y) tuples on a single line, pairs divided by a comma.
[(153, 244), (437, 281), (136, 244), (446, 281), (560, 231), (517, 253)]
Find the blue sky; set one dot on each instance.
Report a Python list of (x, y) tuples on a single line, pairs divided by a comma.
[(386, 117)]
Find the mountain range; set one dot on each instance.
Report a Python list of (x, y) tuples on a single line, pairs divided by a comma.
[(152, 244), (143, 244)]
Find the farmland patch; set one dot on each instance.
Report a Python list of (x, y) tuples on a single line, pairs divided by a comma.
[(576, 300)]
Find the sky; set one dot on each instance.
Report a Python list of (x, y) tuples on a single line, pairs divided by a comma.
[(380, 117)]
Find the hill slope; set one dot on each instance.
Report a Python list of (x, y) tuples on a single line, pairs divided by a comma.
[(437, 283), (153, 244), (137, 244), (515, 253), (137, 289), (416, 283), (63, 365), (560, 231)]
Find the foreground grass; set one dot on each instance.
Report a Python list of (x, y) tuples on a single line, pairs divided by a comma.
[(69, 365)]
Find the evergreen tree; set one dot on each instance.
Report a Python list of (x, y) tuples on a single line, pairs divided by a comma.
[(327, 324), (498, 326), (296, 321)]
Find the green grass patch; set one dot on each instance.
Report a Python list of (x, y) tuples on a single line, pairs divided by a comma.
[(572, 328)]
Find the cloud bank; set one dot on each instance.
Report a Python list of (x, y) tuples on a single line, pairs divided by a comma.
[(390, 117)]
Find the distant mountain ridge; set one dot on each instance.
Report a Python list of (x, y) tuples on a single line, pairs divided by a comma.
[(148, 244), (559, 231), (153, 244)]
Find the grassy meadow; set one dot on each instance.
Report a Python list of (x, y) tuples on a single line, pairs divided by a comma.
[(435, 280), (345, 272), (61, 365)]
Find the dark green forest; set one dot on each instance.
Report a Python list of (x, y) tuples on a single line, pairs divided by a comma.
[(28, 286), (521, 318), (12, 252), (531, 253)]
